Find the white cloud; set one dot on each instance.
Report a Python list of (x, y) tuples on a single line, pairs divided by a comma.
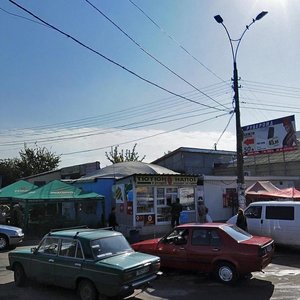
[(93, 148), (152, 148)]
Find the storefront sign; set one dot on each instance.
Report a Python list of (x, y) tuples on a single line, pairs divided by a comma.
[(139, 218), (119, 193), (165, 180), (149, 219)]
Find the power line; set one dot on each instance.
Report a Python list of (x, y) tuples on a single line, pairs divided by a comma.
[(273, 85), (232, 114), (96, 132), (22, 17), (149, 54), (174, 40), (144, 138), (110, 60), (117, 116)]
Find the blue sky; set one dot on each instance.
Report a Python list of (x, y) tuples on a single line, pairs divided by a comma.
[(79, 104)]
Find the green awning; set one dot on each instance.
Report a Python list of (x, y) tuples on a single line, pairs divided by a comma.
[(16, 189), (58, 190)]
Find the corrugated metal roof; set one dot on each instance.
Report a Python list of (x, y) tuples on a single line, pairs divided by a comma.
[(124, 169)]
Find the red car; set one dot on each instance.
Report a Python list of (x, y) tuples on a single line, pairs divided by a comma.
[(222, 249)]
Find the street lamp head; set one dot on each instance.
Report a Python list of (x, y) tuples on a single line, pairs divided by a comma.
[(261, 15), (219, 19)]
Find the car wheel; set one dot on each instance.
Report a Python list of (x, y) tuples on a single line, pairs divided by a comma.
[(19, 275), (3, 242), (87, 290), (226, 273)]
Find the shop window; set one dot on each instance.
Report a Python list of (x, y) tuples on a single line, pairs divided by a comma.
[(171, 195), (187, 198), (160, 197), (164, 199), (145, 199)]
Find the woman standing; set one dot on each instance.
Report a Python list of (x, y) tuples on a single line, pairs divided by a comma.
[(241, 220)]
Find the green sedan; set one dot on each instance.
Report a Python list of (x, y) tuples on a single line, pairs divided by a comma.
[(99, 263)]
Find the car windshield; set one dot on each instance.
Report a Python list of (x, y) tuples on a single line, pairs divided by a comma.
[(237, 233), (109, 246)]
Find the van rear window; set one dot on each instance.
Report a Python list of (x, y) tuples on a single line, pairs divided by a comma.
[(280, 212)]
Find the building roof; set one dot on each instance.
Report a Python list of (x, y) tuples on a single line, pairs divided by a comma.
[(125, 169), (195, 150)]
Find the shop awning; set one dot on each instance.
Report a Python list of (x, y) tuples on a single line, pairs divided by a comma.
[(265, 189), (16, 189), (58, 190)]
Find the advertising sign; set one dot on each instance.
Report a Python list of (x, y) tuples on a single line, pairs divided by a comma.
[(270, 136), (165, 180)]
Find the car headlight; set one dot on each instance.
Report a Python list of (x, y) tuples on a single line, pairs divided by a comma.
[(18, 233)]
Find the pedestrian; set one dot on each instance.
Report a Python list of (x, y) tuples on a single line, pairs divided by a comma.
[(201, 210), (176, 209), (17, 216), (207, 216), (112, 219), (241, 220)]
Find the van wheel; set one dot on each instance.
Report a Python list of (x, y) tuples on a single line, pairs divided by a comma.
[(19, 275), (226, 273), (87, 290)]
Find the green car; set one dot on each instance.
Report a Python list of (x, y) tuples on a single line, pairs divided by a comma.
[(99, 263)]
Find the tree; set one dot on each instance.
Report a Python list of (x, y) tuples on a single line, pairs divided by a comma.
[(32, 161), (115, 156), (8, 171)]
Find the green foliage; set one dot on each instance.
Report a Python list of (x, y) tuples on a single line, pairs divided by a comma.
[(116, 156), (8, 171), (32, 161)]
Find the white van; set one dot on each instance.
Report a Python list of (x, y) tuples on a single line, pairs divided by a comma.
[(277, 219)]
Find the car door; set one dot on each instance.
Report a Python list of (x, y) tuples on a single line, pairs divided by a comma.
[(173, 248), (255, 219), (43, 260), (68, 263), (206, 245)]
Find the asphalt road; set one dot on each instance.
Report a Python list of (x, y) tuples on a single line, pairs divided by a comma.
[(281, 280)]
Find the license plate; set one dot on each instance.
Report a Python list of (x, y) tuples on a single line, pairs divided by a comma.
[(142, 271)]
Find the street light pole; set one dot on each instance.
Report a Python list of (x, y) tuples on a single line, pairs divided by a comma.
[(239, 131)]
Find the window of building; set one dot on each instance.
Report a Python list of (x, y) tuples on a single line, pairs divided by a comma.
[(164, 198), (187, 198), (145, 199)]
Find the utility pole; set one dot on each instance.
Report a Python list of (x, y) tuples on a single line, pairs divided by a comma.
[(239, 132)]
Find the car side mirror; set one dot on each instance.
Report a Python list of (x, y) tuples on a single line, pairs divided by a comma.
[(33, 250)]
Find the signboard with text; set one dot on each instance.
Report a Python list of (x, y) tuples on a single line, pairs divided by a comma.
[(165, 180), (270, 136)]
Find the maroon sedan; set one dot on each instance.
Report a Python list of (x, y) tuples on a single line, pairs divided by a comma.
[(222, 249)]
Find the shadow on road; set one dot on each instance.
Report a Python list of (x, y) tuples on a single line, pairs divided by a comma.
[(175, 286), (287, 256), (33, 291)]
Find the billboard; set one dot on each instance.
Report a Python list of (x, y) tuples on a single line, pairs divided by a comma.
[(270, 136)]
